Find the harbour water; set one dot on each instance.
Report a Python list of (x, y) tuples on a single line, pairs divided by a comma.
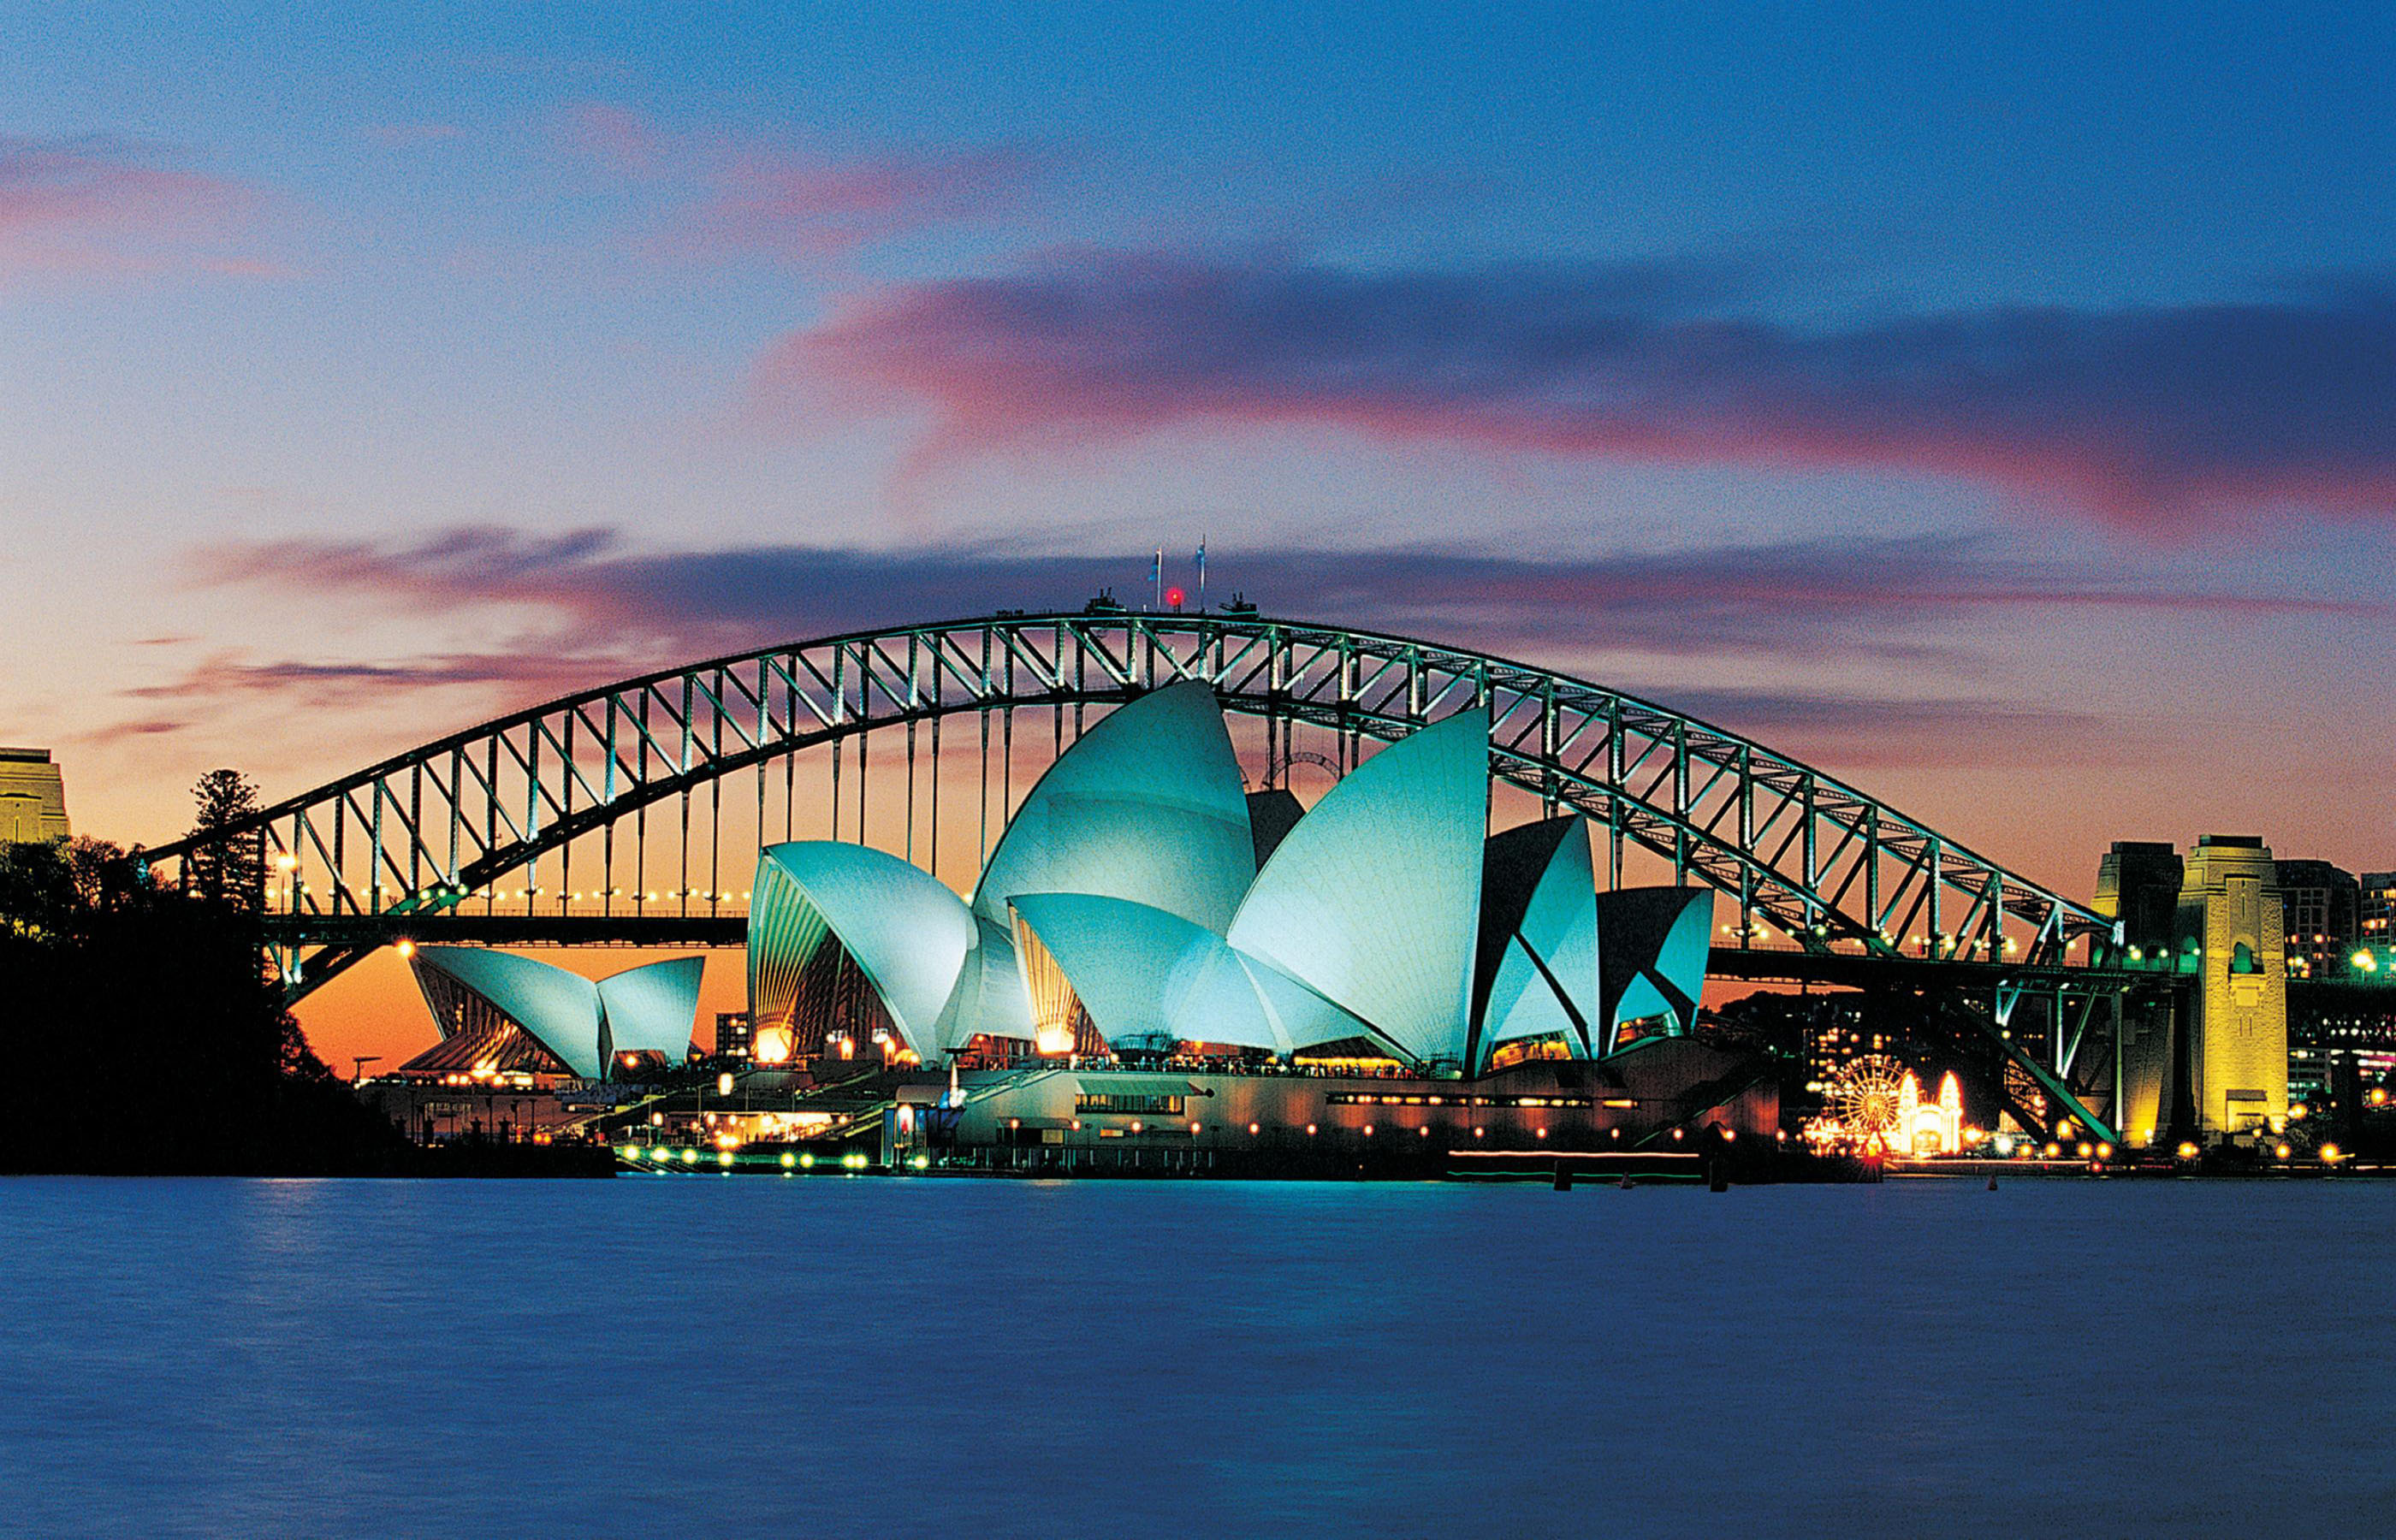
[(849, 1357)]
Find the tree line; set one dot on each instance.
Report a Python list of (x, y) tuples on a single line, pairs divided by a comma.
[(140, 1030)]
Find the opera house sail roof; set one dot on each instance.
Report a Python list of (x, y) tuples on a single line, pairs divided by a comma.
[(500, 1010), (1147, 806), (1373, 901), (1536, 975), (1124, 908), (901, 931)]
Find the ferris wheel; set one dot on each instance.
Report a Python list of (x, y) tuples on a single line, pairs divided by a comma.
[(1869, 1095)]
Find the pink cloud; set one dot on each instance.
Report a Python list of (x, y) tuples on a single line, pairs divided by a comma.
[(1855, 597), (404, 134), (808, 206), (122, 731), (94, 205), (528, 673), (796, 202), (616, 136), (2153, 416)]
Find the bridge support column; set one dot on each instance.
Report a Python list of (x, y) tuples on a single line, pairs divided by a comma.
[(2231, 930), (2214, 1062)]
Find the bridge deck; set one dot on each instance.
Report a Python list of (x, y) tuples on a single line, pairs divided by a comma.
[(1757, 965)]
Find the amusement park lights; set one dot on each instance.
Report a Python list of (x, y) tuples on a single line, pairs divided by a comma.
[(1877, 1107)]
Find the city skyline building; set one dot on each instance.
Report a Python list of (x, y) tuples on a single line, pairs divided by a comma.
[(2319, 909), (2376, 908)]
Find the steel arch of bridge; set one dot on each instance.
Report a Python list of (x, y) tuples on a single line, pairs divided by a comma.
[(1808, 859)]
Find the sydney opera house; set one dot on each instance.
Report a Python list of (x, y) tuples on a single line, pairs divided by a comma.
[(507, 1016), (1152, 952)]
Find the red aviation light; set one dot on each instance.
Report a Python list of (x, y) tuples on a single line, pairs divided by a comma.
[(1174, 596)]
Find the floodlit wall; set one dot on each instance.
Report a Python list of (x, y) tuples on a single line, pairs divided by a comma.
[(2230, 919), (1373, 901), (32, 797)]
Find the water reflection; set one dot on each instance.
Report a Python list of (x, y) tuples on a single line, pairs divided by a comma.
[(213, 1357)]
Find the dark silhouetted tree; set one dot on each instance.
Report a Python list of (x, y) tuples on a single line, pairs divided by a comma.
[(142, 1034), (230, 868)]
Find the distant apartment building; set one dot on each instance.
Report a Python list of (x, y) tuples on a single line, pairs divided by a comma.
[(2375, 909), (32, 797), (2320, 906)]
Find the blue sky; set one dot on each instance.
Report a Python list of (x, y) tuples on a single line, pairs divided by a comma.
[(1997, 406)]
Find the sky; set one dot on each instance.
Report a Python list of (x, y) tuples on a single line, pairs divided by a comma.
[(1994, 405)]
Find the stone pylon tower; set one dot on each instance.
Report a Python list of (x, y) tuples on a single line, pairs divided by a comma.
[(2231, 937), (32, 797)]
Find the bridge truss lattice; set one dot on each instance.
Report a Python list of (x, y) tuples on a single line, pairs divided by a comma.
[(1810, 863)]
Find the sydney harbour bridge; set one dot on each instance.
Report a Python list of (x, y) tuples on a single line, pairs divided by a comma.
[(631, 814)]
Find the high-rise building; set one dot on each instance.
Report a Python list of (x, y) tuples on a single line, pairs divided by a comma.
[(32, 797), (2137, 884), (2375, 909), (2319, 906)]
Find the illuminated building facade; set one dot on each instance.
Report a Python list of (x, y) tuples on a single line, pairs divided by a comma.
[(2319, 909), (1929, 1127), (1662, 1098), (32, 797), (2214, 1061), (2138, 885), (1140, 905), (2375, 909)]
